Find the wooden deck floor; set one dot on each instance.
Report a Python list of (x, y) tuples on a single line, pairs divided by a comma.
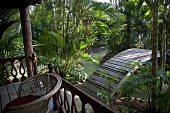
[(9, 93)]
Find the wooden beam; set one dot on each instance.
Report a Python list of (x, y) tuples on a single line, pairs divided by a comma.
[(27, 37), (18, 3)]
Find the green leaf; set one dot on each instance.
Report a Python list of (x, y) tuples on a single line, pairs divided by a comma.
[(147, 13), (83, 45), (85, 55)]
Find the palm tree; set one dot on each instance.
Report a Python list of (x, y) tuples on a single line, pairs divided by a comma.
[(154, 49)]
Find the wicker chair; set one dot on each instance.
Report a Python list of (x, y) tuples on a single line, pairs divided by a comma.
[(42, 85)]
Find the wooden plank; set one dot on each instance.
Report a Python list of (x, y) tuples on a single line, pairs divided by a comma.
[(131, 57), (100, 85), (3, 89), (92, 87), (114, 69), (117, 64), (135, 52), (119, 60), (95, 89), (100, 82), (16, 85), (90, 93), (138, 58), (104, 79), (126, 58), (4, 96), (12, 92), (120, 64), (109, 73)]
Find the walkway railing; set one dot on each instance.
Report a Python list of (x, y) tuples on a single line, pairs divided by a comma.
[(12, 67), (12, 70)]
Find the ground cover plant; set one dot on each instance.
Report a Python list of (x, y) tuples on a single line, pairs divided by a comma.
[(140, 85)]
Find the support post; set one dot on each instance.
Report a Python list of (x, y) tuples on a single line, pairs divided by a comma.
[(27, 37), (56, 95)]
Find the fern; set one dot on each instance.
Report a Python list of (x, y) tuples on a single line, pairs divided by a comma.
[(137, 85), (140, 84)]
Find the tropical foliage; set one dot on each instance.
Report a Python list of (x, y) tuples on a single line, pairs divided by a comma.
[(141, 83), (63, 30)]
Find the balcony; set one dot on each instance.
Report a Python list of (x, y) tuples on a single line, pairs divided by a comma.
[(68, 99)]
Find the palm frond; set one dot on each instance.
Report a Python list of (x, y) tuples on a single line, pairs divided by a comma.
[(108, 8)]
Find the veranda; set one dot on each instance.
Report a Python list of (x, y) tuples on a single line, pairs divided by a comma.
[(26, 66)]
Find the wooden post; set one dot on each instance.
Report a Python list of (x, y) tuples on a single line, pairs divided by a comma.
[(27, 37), (56, 95)]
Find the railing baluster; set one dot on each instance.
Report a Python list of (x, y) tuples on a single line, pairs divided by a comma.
[(97, 106), (22, 70), (60, 101), (73, 104), (14, 72), (13, 67), (66, 103), (5, 75), (83, 107)]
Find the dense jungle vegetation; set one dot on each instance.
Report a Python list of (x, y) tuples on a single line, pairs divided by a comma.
[(65, 30)]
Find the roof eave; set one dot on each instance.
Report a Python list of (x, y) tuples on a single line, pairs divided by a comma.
[(17, 3)]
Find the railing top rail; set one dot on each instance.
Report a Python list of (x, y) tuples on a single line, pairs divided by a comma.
[(87, 98), (2, 61)]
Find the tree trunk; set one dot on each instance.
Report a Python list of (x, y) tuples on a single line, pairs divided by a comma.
[(129, 30), (27, 37), (163, 46), (54, 17), (154, 52)]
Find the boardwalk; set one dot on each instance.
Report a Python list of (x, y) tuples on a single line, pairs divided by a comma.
[(117, 67)]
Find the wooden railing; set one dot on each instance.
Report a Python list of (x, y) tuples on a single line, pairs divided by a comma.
[(70, 105), (65, 100), (12, 67), (12, 70)]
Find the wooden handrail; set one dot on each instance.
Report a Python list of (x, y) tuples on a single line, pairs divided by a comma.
[(61, 103), (97, 106)]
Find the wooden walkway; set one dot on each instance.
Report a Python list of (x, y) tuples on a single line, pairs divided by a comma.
[(9, 93), (117, 67)]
